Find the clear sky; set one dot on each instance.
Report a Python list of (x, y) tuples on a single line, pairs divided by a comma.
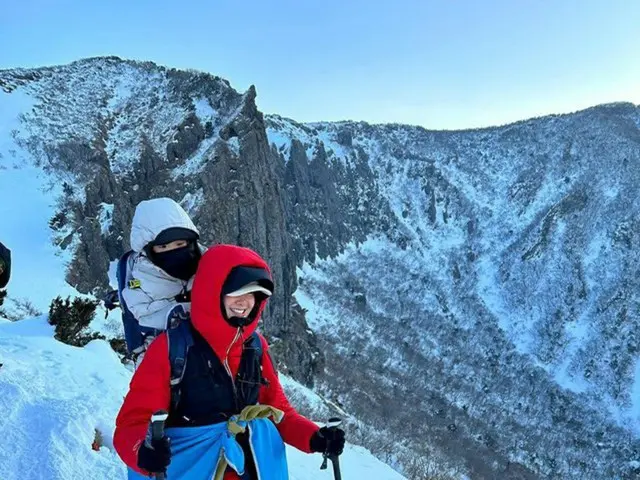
[(437, 63)]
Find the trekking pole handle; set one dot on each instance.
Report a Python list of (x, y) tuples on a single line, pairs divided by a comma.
[(157, 432), (333, 422)]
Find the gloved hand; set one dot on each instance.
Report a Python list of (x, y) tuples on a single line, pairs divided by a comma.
[(328, 440), (111, 300), (156, 457)]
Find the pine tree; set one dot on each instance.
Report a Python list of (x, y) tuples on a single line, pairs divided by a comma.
[(71, 319)]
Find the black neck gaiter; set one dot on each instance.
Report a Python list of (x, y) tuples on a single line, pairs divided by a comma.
[(180, 263)]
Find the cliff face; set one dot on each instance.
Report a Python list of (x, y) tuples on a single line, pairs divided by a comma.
[(111, 133)]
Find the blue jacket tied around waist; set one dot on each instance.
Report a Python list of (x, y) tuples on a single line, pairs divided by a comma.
[(197, 451)]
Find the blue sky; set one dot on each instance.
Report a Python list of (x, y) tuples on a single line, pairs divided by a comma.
[(441, 64)]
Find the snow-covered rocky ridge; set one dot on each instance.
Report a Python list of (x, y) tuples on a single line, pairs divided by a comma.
[(95, 137), (484, 282)]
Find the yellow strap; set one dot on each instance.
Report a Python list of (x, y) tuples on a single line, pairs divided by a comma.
[(248, 413), (235, 428), (134, 283)]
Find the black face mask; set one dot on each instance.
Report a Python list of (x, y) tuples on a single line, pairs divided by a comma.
[(180, 263)]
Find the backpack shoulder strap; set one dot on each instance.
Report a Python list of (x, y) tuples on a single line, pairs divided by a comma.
[(123, 273), (180, 340), (256, 344), (132, 334), (250, 370)]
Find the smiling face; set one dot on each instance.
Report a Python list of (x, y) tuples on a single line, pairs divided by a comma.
[(239, 306)]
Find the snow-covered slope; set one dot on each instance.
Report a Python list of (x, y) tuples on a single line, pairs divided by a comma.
[(502, 286), (53, 397), (27, 202), (103, 101)]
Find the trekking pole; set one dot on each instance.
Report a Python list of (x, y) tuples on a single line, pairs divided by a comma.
[(332, 423), (157, 432)]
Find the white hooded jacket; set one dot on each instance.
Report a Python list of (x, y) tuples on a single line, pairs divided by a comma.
[(151, 293)]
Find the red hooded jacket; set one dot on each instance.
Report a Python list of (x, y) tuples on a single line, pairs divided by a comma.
[(149, 390)]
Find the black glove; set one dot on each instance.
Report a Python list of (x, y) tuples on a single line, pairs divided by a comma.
[(156, 458), (328, 440), (111, 300)]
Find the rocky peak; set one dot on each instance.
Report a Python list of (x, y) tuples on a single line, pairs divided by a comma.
[(120, 131)]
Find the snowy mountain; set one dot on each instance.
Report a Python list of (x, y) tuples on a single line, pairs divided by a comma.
[(504, 295), (470, 298), (104, 134), (54, 397)]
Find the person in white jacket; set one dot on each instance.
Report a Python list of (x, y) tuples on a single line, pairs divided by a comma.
[(165, 259)]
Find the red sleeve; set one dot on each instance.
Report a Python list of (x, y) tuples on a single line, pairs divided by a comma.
[(149, 391), (295, 429)]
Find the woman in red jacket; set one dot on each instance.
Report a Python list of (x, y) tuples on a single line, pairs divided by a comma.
[(220, 378)]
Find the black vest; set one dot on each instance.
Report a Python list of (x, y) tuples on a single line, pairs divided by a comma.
[(207, 394)]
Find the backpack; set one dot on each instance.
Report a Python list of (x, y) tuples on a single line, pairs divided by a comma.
[(136, 336)]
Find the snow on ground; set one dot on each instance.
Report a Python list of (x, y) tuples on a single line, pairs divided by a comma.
[(38, 268), (290, 386), (26, 206), (281, 131), (356, 463), (53, 397), (191, 202), (105, 217), (194, 164), (204, 110), (113, 271)]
